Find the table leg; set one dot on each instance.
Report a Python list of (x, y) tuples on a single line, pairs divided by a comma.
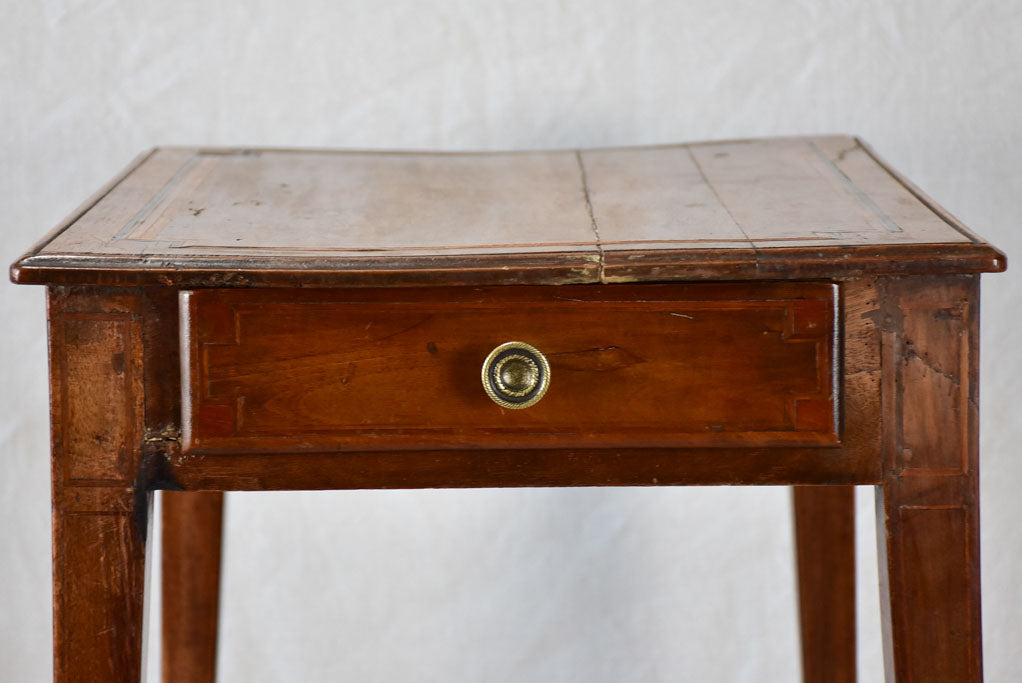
[(825, 548), (100, 503), (927, 506), (98, 579), (191, 584)]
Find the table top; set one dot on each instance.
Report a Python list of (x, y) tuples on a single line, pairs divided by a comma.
[(764, 208)]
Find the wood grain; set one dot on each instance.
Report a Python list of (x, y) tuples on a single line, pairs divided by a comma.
[(780, 311), (465, 203), (853, 460), (95, 364), (652, 366), (198, 216), (530, 467), (927, 507), (191, 584), (825, 556), (101, 502)]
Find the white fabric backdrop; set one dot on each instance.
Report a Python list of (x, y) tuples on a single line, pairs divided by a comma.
[(537, 585)]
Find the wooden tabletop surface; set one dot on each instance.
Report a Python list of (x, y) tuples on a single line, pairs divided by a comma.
[(767, 208)]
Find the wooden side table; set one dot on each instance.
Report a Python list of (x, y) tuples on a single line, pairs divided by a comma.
[(781, 311)]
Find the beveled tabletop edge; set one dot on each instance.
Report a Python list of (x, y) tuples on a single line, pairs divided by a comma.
[(542, 267), (526, 269)]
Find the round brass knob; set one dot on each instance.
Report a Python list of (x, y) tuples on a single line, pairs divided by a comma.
[(516, 375)]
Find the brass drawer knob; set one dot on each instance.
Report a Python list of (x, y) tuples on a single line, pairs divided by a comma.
[(516, 375)]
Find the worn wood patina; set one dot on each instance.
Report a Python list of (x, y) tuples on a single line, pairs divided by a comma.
[(778, 311)]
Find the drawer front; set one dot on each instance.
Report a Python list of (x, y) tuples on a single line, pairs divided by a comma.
[(729, 364)]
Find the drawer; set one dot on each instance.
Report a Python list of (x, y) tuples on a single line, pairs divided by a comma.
[(705, 364)]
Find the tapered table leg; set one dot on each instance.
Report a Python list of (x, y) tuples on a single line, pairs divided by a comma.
[(191, 584), (825, 548), (927, 506), (100, 502)]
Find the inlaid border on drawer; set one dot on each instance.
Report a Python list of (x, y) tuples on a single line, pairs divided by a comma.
[(694, 364)]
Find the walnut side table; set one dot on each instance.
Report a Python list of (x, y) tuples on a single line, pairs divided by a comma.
[(779, 311)]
